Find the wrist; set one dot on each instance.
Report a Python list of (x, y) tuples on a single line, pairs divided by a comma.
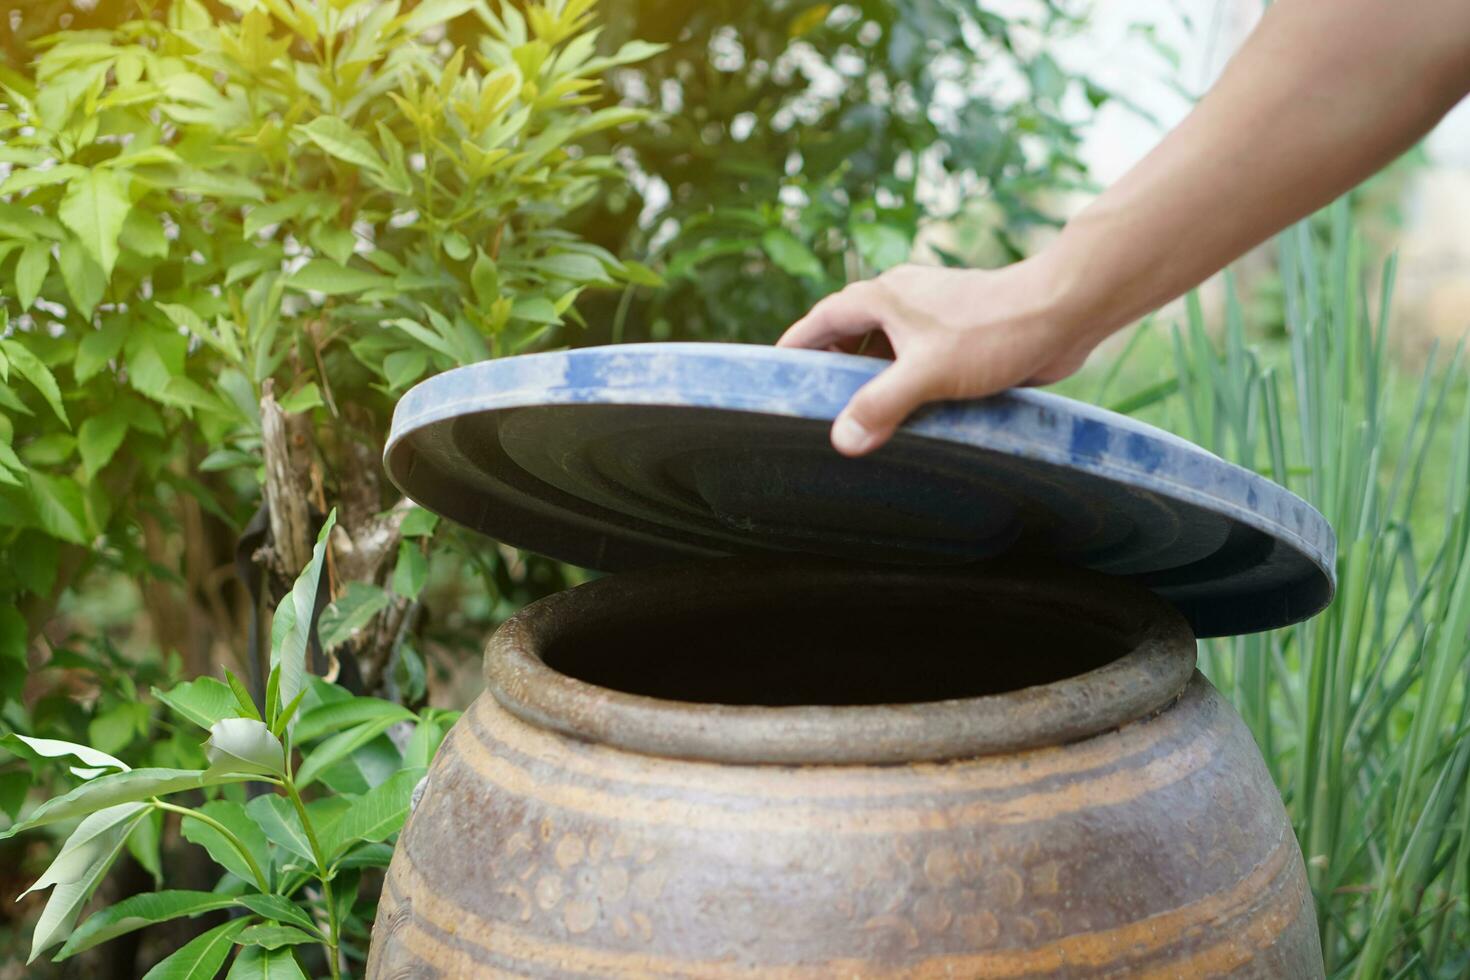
[(1071, 299), (1090, 289)]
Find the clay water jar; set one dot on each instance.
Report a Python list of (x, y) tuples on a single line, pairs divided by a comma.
[(778, 769)]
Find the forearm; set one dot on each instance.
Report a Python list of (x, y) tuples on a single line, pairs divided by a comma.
[(1323, 94)]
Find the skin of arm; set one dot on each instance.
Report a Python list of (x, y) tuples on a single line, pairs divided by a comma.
[(1321, 95)]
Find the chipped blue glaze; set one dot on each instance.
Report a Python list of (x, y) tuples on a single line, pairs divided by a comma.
[(602, 457)]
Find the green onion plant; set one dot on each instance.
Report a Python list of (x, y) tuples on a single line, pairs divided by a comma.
[(1362, 711)]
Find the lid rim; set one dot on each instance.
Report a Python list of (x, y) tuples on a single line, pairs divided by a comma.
[(1024, 424)]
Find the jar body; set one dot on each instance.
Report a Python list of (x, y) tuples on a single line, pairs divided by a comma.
[(1157, 848), (1161, 849)]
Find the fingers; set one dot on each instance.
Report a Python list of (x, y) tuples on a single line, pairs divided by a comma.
[(881, 405), (850, 313), (842, 321)]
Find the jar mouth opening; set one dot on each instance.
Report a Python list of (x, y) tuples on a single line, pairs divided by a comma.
[(842, 648), (806, 662)]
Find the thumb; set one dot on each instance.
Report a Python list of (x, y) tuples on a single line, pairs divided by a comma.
[(881, 405)]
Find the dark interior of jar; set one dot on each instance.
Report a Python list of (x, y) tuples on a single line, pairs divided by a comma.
[(847, 651)]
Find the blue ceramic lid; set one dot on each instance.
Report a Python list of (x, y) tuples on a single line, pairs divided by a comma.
[(620, 457)]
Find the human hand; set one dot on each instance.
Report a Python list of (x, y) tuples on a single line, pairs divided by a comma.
[(952, 333)]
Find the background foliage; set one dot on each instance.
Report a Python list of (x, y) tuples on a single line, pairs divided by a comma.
[(1361, 711), (803, 144), (229, 238), (231, 233)]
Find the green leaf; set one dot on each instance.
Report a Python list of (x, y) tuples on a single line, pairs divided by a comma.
[(143, 234), (340, 715), (68, 899), (423, 743), (94, 208), (605, 119), (120, 787), (630, 52), (418, 523), (432, 13), (114, 728), (359, 604), (881, 246), (535, 309), (363, 768), (98, 439), (52, 748), (334, 241), (326, 276), (291, 628), (244, 745), (485, 280), (217, 184), (302, 399), (273, 937), (411, 570), (287, 715), (342, 141), (641, 275), (376, 815), (84, 278), (226, 459), (200, 958), (276, 212), (29, 177), (96, 836), (12, 467), (29, 366), (60, 506), (13, 789), (222, 340), (572, 266), (339, 746), (134, 913), (367, 856), (273, 693), (30, 272), (425, 336), (410, 672), (403, 367), (281, 824), (13, 665), (233, 816), (25, 223), (145, 845), (456, 246), (51, 449), (266, 963), (98, 347), (183, 393), (791, 254), (203, 700), (242, 697), (278, 909)]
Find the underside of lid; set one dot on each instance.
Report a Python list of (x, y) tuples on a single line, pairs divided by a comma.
[(623, 457)]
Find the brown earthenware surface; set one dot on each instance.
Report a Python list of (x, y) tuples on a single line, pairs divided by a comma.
[(1160, 850), (1151, 847)]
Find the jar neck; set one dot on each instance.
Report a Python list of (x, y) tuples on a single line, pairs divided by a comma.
[(798, 662)]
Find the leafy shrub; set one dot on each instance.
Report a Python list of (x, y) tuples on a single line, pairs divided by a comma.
[(291, 867), (808, 143), (304, 204), (230, 236)]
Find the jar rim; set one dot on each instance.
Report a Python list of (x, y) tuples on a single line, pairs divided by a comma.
[(1156, 665)]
